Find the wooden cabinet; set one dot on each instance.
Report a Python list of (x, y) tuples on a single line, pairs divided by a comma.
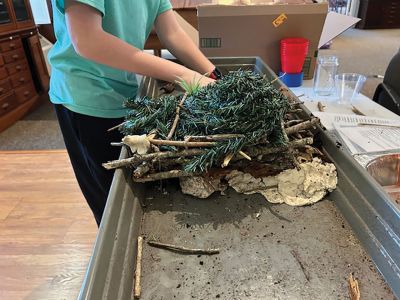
[(23, 71)]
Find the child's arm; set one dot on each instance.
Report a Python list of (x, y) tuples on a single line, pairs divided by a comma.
[(92, 42), (175, 39)]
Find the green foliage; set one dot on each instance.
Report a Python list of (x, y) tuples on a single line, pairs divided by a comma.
[(191, 87), (242, 103)]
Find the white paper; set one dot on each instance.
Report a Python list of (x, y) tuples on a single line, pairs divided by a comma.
[(329, 119), (40, 12), (335, 24)]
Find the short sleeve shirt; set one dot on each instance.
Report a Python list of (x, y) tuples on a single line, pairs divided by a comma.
[(89, 88)]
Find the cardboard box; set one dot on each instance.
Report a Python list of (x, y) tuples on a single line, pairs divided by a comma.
[(255, 28)]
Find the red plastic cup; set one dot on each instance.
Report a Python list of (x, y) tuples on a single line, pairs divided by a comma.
[(293, 53)]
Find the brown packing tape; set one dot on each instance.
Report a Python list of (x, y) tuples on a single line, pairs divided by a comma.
[(279, 20)]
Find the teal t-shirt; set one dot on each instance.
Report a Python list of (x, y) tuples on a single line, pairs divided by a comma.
[(86, 87)]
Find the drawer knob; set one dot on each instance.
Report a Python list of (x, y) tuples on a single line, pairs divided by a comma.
[(22, 79), (5, 105), (15, 56), (1, 90), (26, 93), (12, 45), (18, 68)]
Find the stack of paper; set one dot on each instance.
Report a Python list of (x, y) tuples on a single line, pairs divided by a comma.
[(365, 134)]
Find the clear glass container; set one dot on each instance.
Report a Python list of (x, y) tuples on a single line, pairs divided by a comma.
[(324, 76)]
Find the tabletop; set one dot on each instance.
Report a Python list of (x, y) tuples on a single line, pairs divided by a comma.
[(366, 105)]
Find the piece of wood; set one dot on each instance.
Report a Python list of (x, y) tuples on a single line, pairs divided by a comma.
[(141, 170), (354, 290), (299, 261), (213, 138), (357, 111), (321, 107), (181, 249), (135, 159), (138, 270), (47, 230), (183, 144), (302, 126), (176, 120), (244, 155), (164, 175)]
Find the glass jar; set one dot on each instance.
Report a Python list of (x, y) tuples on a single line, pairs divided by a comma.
[(324, 76)]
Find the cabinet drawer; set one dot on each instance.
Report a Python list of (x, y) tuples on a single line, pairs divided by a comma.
[(3, 73), (14, 56), (5, 86), (9, 45), (7, 104), (17, 67), (20, 79), (25, 92)]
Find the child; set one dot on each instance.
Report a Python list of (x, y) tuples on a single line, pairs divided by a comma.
[(94, 62)]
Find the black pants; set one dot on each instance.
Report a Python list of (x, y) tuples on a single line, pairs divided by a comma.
[(88, 146)]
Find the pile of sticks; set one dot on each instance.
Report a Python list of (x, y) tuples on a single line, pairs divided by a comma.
[(260, 160)]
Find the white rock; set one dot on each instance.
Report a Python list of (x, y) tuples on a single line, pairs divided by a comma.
[(139, 144)]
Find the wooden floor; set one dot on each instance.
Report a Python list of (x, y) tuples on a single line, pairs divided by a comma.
[(46, 228)]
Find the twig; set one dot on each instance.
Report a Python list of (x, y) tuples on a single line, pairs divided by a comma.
[(227, 160), (354, 290), (321, 107), (141, 170), (148, 157), (215, 137), (296, 256), (184, 250), (184, 144), (176, 120), (244, 155), (138, 271), (291, 122), (294, 111), (302, 126), (164, 175), (116, 127), (252, 152), (357, 111), (277, 78)]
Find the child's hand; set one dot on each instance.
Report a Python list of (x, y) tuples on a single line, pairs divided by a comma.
[(206, 81)]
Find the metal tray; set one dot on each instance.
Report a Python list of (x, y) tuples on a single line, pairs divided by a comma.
[(358, 198)]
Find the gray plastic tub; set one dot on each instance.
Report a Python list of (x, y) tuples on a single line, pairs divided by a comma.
[(267, 251)]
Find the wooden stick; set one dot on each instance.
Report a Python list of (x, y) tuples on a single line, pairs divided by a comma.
[(357, 111), (184, 144), (291, 122), (138, 271), (244, 155), (116, 127), (227, 160), (256, 151), (176, 120), (321, 107), (302, 126), (184, 250), (303, 269), (252, 152), (141, 170), (164, 175), (354, 290), (215, 137), (135, 159)]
